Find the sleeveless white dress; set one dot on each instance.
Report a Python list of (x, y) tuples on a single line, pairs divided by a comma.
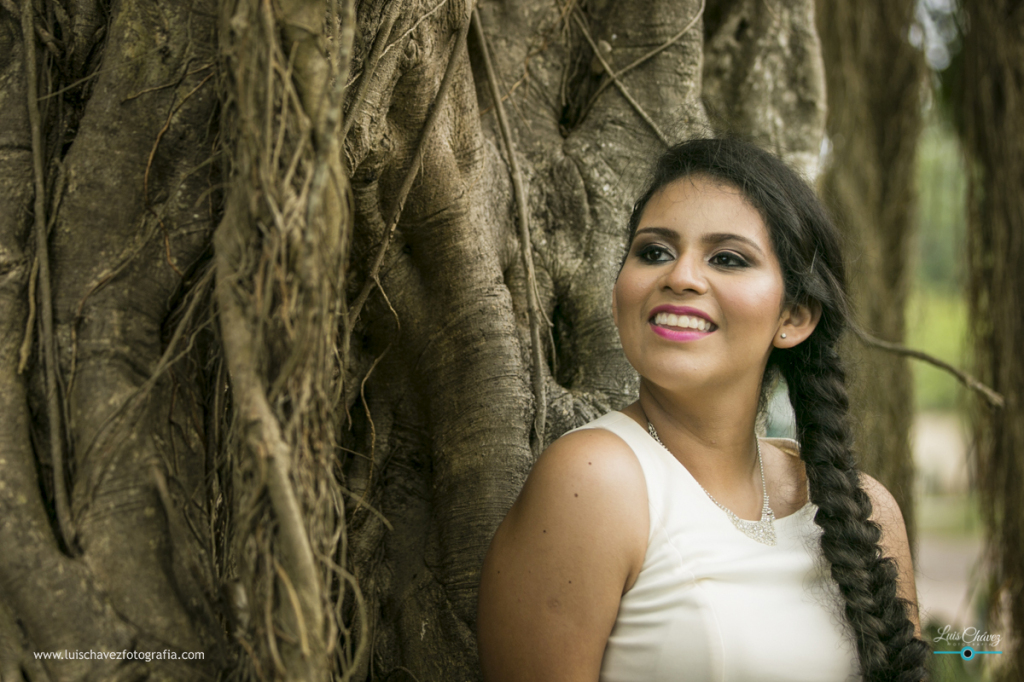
[(712, 605)]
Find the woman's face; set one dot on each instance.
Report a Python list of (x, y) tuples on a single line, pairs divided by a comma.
[(699, 300)]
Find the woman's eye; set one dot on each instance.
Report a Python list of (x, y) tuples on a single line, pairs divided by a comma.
[(654, 254), (728, 259)]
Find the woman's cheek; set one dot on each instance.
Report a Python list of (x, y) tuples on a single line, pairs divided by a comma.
[(757, 304)]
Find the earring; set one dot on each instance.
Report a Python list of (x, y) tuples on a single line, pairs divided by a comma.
[(783, 335)]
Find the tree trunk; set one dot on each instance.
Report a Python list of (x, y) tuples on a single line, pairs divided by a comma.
[(992, 105), (875, 78), (309, 323)]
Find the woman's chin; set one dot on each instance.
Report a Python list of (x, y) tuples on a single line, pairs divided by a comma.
[(682, 381)]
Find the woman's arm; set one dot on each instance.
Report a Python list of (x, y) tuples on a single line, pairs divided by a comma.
[(886, 513), (571, 545)]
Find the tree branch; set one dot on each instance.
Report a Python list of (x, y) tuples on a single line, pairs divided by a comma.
[(370, 65), (994, 399)]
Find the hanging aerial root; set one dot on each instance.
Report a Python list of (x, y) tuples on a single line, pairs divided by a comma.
[(280, 254), (53, 407), (526, 243), (614, 76), (403, 193), (261, 429), (618, 82)]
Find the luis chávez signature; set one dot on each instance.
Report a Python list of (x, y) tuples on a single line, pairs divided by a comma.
[(968, 636)]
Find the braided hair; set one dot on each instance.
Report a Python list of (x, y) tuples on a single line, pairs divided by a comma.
[(807, 246)]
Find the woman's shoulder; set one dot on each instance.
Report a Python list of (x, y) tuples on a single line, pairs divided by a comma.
[(587, 484), (594, 458), (559, 563), (572, 543), (885, 511)]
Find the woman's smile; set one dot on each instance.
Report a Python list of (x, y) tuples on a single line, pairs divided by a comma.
[(681, 323)]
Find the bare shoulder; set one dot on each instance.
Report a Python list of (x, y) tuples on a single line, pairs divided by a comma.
[(894, 543), (587, 487), (559, 563), (593, 460), (886, 511)]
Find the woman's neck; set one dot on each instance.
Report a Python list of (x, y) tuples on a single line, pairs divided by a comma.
[(710, 433)]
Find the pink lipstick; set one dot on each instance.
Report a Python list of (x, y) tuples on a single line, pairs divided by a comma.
[(680, 323)]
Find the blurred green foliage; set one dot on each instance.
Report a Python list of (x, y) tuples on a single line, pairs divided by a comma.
[(942, 208), (936, 311), (937, 324), (953, 516)]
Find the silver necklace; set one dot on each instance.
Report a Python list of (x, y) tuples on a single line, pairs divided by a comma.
[(764, 530)]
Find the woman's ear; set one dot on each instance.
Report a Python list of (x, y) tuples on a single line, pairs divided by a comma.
[(796, 324)]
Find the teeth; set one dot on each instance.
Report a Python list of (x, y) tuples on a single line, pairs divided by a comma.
[(682, 321)]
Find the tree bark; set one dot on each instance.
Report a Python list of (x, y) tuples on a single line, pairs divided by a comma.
[(991, 102), (120, 151), (875, 79)]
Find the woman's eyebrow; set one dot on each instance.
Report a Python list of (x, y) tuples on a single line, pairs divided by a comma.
[(719, 237), (711, 238), (665, 232)]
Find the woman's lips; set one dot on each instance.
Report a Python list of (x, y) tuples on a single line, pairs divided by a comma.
[(680, 324), (679, 334)]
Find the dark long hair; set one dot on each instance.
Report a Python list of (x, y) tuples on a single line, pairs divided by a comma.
[(807, 246)]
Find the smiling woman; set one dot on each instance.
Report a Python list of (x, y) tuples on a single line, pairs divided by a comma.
[(668, 541)]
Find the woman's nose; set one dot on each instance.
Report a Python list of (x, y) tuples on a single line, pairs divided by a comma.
[(687, 274)]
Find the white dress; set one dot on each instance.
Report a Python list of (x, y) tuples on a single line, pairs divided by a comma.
[(712, 605)]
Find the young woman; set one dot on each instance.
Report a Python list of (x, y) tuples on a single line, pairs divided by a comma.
[(667, 541)]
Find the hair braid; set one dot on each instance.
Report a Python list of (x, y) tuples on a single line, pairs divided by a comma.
[(887, 647)]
